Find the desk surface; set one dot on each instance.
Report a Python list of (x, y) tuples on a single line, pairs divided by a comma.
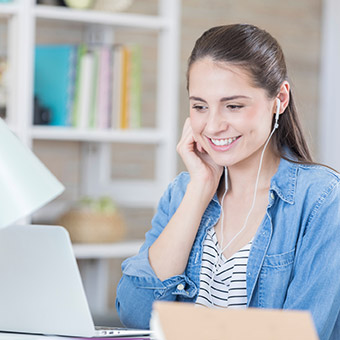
[(14, 336)]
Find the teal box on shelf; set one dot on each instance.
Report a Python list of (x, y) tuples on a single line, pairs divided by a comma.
[(54, 80)]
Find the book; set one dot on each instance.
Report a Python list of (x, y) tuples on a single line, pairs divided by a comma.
[(180, 320), (86, 88), (104, 88), (94, 95), (116, 80), (90, 86), (81, 50), (54, 77), (125, 87), (135, 88)]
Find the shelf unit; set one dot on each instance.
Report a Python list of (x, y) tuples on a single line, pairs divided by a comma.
[(118, 20), (8, 10), (22, 18), (145, 136)]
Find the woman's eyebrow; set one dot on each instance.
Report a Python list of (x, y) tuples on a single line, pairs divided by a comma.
[(225, 99), (197, 98)]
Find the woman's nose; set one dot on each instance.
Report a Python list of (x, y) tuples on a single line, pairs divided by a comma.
[(216, 122)]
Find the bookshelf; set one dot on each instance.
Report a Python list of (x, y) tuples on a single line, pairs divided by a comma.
[(23, 19)]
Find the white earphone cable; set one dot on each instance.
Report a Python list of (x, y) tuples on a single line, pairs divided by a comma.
[(222, 249), (253, 203)]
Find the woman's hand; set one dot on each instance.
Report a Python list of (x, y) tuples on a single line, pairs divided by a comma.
[(169, 254), (201, 167)]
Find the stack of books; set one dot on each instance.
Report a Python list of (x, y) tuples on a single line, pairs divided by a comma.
[(97, 87)]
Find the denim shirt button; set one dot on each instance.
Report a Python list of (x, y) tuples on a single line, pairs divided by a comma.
[(272, 196), (180, 286)]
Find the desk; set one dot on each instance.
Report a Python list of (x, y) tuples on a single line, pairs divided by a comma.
[(17, 336), (93, 261), (14, 336)]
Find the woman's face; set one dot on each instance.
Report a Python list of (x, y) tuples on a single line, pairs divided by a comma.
[(230, 118)]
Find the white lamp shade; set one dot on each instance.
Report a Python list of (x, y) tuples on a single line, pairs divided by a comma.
[(25, 183)]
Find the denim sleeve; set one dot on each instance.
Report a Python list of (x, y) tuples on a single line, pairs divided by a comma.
[(315, 284), (139, 286)]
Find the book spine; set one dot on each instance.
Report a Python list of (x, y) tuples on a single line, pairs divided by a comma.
[(85, 89), (104, 88), (125, 84), (94, 95), (135, 88), (116, 80), (81, 50), (71, 88)]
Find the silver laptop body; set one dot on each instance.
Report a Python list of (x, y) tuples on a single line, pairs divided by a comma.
[(40, 286)]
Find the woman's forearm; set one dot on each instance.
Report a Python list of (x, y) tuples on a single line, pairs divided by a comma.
[(169, 254)]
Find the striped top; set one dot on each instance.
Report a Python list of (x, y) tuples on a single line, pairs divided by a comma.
[(226, 285)]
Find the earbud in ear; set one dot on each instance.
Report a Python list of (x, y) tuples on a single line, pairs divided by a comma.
[(277, 114)]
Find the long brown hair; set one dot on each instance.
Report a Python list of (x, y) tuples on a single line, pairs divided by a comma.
[(256, 51)]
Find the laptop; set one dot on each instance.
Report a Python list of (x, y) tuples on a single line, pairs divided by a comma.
[(201, 323), (41, 291)]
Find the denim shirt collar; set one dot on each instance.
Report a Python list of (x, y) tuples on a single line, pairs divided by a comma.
[(283, 185), (284, 181)]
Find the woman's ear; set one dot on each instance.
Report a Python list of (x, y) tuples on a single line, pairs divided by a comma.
[(284, 95)]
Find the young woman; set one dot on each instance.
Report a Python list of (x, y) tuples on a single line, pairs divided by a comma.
[(254, 222)]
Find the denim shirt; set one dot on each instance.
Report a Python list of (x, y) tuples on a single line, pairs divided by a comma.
[(294, 262)]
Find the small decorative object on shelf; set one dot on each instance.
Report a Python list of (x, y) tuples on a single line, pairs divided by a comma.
[(51, 2), (3, 87), (112, 5), (41, 114), (94, 221)]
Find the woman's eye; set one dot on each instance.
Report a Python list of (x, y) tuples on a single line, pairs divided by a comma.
[(200, 108), (234, 107)]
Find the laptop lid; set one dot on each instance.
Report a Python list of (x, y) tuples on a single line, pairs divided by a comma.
[(40, 288), (183, 321)]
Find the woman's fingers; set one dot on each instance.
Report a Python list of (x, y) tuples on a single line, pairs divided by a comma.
[(187, 140), (199, 148)]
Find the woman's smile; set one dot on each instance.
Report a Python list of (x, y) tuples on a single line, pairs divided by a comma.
[(223, 144), (225, 141)]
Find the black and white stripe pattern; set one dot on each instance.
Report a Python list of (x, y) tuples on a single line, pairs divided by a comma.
[(222, 281)]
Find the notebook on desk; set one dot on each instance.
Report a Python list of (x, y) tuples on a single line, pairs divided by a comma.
[(40, 286), (201, 323)]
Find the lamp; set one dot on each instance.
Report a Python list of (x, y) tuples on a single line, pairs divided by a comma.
[(25, 183)]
